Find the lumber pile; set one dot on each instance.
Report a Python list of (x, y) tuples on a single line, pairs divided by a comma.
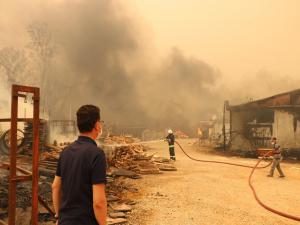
[(28, 135), (52, 153), (134, 158), (52, 156), (119, 205), (119, 140)]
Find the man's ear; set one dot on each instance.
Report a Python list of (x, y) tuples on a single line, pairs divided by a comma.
[(98, 126)]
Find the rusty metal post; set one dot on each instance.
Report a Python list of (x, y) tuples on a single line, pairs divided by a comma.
[(35, 157), (13, 178), (13, 157)]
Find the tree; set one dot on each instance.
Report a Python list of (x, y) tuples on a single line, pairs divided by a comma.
[(13, 63), (41, 43)]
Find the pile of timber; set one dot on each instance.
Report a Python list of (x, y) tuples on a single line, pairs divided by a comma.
[(133, 158), (112, 139), (28, 135), (119, 205), (48, 161), (52, 153)]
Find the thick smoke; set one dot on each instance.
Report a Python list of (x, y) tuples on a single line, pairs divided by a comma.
[(82, 52), (94, 45), (183, 92), (79, 50)]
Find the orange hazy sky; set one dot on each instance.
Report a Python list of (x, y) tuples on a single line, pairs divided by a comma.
[(239, 37)]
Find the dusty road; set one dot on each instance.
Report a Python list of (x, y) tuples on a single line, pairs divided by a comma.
[(214, 194)]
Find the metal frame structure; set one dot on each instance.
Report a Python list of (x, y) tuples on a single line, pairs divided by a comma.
[(18, 91)]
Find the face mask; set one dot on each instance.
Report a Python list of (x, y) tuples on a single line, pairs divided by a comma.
[(100, 132)]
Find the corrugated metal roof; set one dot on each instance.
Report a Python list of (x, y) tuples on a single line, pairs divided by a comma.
[(289, 99)]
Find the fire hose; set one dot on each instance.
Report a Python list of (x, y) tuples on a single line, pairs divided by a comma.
[(249, 180), (220, 162)]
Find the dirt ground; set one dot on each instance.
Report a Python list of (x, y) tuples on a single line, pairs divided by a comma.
[(212, 194), (215, 194)]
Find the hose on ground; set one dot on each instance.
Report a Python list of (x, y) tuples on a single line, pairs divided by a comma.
[(249, 180), (261, 203), (220, 162)]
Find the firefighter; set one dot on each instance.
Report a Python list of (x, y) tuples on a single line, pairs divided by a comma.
[(171, 139), (276, 159)]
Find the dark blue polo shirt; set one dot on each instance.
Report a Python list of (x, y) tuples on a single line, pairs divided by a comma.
[(80, 165)]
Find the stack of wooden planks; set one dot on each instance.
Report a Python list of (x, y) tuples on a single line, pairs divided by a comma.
[(133, 158)]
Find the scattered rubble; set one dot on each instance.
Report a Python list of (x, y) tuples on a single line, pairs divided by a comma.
[(167, 167), (52, 154), (122, 208), (23, 194), (24, 200), (125, 173), (117, 215), (111, 221)]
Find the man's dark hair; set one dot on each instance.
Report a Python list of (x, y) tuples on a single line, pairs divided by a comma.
[(87, 116)]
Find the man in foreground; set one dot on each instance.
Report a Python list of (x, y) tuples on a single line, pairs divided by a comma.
[(78, 189)]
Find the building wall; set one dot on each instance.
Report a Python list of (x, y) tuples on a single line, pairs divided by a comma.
[(61, 132), (238, 140), (283, 129)]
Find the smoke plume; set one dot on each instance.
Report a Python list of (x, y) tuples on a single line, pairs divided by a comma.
[(183, 92), (89, 52)]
